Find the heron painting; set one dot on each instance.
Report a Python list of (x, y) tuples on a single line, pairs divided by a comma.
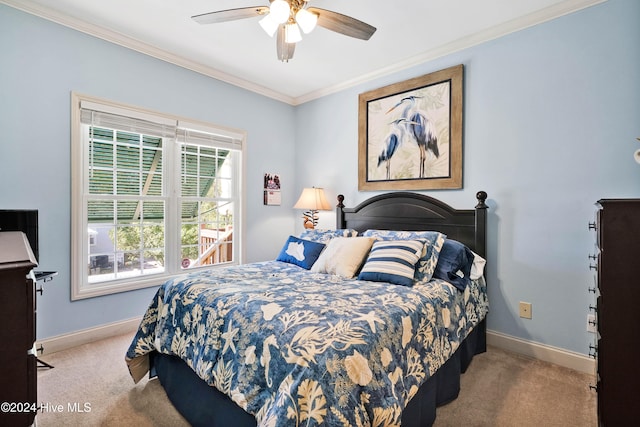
[(410, 134), (421, 128)]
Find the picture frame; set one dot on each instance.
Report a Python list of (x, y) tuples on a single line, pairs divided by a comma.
[(410, 134), (271, 189)]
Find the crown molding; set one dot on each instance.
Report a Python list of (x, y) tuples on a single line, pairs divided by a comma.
[(539, 17), (533, 19), (139, 46)]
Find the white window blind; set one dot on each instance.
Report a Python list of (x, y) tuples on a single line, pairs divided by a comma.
[(123, 119), (199, 134)]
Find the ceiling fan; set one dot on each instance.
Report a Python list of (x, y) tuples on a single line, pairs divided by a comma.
[(287, 17)]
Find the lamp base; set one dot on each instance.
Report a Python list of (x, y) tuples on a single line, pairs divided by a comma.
[(310, 219)]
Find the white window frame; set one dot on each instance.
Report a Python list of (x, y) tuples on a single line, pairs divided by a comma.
[(80, 286)]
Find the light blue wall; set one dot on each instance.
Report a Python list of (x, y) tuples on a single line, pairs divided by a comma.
[(551, 116), (40, 64)]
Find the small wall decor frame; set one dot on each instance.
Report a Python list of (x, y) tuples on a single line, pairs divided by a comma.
[(271, 189), (410, 134)]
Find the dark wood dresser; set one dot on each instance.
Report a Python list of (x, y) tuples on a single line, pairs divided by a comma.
[(18, 368), (618, 310)]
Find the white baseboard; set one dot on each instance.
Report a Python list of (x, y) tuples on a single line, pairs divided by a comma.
[(558, 356), (89, 335)]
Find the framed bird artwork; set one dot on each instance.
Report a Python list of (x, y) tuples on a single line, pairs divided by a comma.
[(410, 134)]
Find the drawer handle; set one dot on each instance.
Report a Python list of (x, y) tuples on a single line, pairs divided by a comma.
[(32, 351), (593, 267), (592, 226)]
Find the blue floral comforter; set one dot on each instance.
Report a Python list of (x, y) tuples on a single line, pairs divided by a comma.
[(298, 348)]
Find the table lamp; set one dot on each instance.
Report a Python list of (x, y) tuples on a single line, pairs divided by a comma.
[(313, 200)]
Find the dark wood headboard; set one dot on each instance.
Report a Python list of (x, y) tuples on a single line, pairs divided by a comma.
[(417, 212)]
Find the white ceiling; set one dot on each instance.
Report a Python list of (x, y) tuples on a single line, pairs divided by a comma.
[(239, 52)]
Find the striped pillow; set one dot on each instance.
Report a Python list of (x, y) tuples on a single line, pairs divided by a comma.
[(433, 242), (392, 261)]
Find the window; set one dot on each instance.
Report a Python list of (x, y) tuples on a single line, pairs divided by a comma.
[(152, 195)]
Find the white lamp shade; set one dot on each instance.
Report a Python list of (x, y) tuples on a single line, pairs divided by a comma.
[(312, 199), (279, 11), (306, 20), (269, 25), (292, 33)]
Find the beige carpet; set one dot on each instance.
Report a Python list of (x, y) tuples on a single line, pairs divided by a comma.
[(90, 386)]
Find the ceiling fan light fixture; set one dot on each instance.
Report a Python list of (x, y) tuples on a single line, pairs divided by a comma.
[(307, 20), (285, 18), (269, 25), (292, 33), (279, 11)]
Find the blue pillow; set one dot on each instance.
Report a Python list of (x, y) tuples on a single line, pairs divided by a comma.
[(454, 264), (300, 252), (392, 261)]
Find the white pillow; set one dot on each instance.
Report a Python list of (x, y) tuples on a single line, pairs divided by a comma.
[(477, 269), (343, 256)]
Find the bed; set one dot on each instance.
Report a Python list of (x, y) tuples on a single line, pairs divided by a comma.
[(296, 341)]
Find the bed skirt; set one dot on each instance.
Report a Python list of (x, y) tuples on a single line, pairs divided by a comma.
[(202, 405)]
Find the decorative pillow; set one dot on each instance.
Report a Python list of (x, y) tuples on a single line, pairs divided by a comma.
[(433, 243), (392, 261), (477, 269), (454, 264), (323, 236), (300, 252), (343, 256)]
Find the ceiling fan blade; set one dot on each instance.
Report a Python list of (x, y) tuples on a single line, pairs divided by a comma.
[(285, 50), (343, 24), (230, 14)]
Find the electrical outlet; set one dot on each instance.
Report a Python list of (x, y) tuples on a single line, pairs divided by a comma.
[(591, 323), (525, 310)]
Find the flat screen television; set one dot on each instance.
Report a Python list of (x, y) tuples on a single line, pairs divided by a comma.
[(25, 220)]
